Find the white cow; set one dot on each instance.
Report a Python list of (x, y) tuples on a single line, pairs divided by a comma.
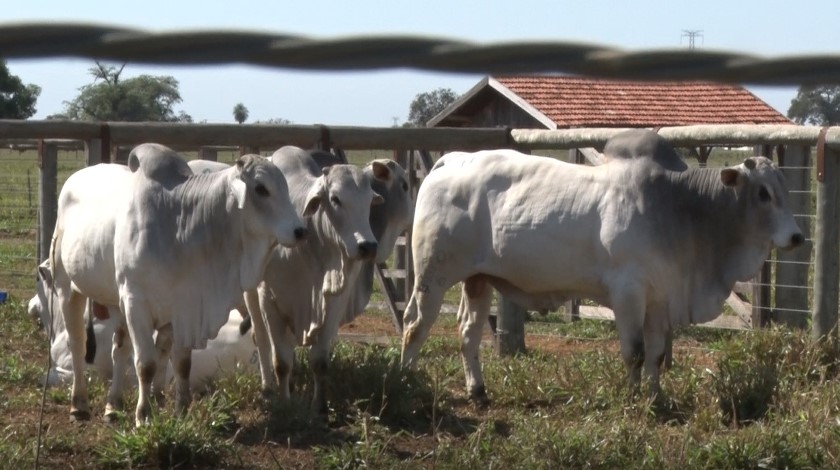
[(231, 350), (308, 289), (387, 222), (174, 250), (663, 248)]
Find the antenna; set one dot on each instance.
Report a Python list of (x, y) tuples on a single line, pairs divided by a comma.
[(691, 34)]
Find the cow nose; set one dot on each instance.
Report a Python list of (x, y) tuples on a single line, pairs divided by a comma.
[(797, 239), (300, 233), (367, 250)]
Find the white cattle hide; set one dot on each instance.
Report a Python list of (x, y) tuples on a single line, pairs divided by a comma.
[(662, 247)]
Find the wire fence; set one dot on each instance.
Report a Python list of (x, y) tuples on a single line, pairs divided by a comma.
[(41, 40)]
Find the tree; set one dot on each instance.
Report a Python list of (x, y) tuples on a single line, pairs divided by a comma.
[(140, 98), (426, 105), (240, 113), (17, 101), (816, 104), (275, 121)]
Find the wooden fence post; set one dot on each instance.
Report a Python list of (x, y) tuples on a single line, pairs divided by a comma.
[(96, 151), (248, 149), (826, 243), (48, 200), (791, 286), (207, 153), (510, 328)]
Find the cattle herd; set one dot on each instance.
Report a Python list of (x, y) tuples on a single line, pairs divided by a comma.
[(158, 267)]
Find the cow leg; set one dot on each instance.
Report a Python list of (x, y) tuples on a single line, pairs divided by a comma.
[(629, 309), (254, 300), (283, 361), (140, 329), (657, 345), (319, 358), (182, 362), (121, 357), (420, 314), (476, 298), (163, 347), (73, 309)]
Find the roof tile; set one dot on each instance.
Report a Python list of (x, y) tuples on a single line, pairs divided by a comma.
[(591, 102)]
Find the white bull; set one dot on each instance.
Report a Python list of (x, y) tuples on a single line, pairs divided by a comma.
[(308, 289), (142, 238), (663, 248)]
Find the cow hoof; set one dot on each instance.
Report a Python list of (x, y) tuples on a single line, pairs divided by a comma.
[(479, 397), (112, 417), (79, 415)]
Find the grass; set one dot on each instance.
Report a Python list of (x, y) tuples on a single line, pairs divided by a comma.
[(563, 404)]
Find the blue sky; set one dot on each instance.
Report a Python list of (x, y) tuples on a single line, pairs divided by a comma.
[(765, 28)]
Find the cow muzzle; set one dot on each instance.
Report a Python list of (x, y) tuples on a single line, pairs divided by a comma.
[(367, 250)]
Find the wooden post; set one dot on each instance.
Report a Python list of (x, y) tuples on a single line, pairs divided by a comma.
[(119, 154), (248, 149), (96, 151), (47, 193), (791, 286), (206, 153), (761, 313), (573, 306), (510, 328), (826, 253)]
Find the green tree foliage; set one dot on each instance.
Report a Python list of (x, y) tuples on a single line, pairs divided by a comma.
[(240, 113), (426, 105), (140, 98), (816, 104), (17, 101)]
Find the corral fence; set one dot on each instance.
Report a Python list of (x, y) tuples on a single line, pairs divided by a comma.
[(792, 287), (790, 144)]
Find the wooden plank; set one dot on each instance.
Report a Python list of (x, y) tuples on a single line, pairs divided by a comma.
[(791, 287), (827, 257), (722, 321), (682, 136)]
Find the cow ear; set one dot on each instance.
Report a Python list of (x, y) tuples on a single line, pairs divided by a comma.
[(729, 177), (377, 199), (44, 272), (239, 189), (313, 199), (380, 170)]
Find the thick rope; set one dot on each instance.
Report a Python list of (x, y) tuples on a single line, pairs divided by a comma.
[(41, 40)]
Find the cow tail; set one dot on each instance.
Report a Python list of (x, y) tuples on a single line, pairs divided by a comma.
[(51, 298), (90, 340)]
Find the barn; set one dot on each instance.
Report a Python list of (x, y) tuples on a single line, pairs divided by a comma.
[(555, 102), (566, 102)]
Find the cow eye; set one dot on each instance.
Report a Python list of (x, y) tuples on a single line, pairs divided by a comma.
[(764, 194), (261, 190), (405, 186), (335, 201)]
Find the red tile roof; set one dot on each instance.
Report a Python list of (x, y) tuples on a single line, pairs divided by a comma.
[(589, 102)]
